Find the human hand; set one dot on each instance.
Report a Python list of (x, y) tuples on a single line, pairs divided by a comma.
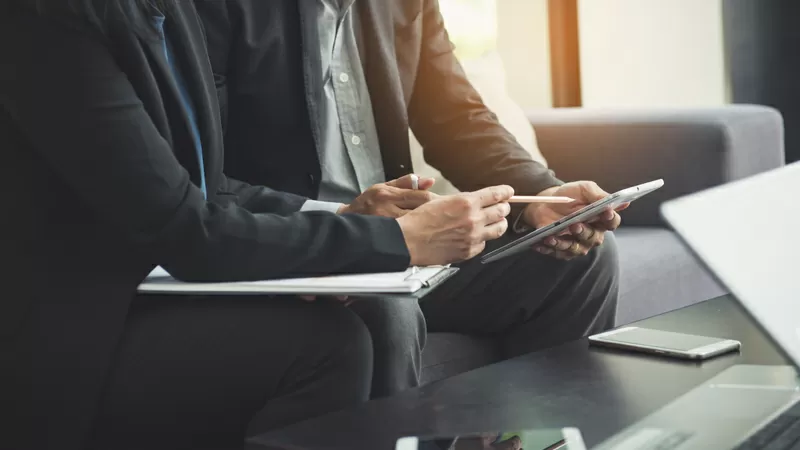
[(391, 199), (455, 228), (580, 238)]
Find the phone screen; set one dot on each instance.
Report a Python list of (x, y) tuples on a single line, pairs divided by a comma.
[(542, 439), (662, 339)]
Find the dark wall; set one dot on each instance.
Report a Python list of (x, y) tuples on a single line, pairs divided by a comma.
[(762, 40)]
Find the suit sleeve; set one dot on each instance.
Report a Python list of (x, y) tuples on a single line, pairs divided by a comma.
[(64, 92), (458, 133), (259, 199)]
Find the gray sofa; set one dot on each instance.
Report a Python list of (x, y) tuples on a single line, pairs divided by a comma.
[(690, 149)]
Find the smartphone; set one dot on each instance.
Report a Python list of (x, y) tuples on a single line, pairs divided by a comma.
[(666, 343), (540, 439)]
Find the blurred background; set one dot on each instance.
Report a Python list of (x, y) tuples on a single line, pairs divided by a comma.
[(632, 53)]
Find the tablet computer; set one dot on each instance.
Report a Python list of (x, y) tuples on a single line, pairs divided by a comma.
[(613, 201)]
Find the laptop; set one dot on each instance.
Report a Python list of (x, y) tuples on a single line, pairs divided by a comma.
[(747, 234)]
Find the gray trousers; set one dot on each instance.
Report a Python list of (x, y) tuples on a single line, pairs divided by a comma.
[(525, 303)]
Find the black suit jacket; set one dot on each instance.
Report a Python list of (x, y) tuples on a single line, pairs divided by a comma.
[(269, 82), (100, 185)]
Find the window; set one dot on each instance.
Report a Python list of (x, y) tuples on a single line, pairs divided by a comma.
[(472, 25)]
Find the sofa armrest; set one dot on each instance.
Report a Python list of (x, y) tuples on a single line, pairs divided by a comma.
[(690, 149)]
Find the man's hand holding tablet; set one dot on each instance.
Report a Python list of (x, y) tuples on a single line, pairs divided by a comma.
[(580, 238), (571, 229)]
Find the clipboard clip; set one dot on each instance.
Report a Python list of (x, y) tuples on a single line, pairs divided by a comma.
[(430, 281)]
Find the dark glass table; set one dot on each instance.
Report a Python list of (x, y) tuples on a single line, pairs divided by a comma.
[(599, 391)]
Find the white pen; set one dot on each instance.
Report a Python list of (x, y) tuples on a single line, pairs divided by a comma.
[(539, 199), (514, 199), (414, 181)]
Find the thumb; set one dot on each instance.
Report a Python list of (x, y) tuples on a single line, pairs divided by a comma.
[(592, 192), (404, 182), (426, 183)]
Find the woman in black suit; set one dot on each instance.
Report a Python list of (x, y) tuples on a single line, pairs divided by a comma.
[(112, 164)]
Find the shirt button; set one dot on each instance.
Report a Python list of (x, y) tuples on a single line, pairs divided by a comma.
[(355, 140), (344, 78)]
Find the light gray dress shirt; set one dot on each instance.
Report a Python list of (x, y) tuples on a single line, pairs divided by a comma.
[(349, 152)]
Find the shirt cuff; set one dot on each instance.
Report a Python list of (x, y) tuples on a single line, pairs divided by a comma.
[(316, 205)]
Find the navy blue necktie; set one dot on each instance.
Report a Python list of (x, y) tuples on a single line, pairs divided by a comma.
[(186, 100)]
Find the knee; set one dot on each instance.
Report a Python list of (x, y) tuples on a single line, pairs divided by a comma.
[(350, 338), (601, 272), (604, 260), (395, 325), (347, 347)]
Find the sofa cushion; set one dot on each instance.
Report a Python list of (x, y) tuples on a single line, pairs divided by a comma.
[(658, 274)]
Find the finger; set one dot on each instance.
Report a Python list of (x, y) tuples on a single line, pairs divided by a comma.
[(426, 183), (592, 192), (594, 240), (623, 206), (609, 223), (580, 231), (495, 213), (404, 182), (392, 211), (563, 256), (493, 195), (342, 298), (414, 199), (495, 230), (559, 244), (606, 214), (575, 248), (308, 298), (614, 223), (588, 236)]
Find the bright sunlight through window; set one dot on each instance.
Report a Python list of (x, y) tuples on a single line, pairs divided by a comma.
[(472, 25)]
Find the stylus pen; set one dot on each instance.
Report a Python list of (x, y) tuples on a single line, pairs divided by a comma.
[(514, 199), (539, 199)]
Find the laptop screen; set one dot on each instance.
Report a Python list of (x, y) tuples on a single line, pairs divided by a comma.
[(748, 235)]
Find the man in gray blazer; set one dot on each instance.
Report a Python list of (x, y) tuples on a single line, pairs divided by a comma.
[(317, 98)]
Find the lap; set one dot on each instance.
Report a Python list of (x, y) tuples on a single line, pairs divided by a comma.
[(215, 360), (393, 318), (487, 299)]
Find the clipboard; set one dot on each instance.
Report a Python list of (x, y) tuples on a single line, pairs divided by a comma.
[(416, 282)]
